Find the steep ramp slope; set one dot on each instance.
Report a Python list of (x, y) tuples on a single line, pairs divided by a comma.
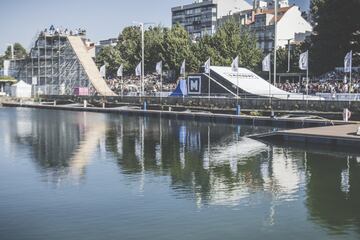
[(253, 84), (89, 66)]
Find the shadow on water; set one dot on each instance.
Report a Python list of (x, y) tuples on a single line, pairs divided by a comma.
[(210, 164)]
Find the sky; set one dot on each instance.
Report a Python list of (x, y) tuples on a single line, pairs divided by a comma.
[(20, 20)]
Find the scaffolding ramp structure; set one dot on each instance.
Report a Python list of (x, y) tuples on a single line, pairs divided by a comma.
[(58, 64)]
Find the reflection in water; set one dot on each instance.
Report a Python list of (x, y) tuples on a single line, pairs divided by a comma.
[(92, 137), (333, 191), (210, 164)]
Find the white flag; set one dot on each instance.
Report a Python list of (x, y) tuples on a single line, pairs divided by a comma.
[(207, 66), (304, 61), (235, 64), (348, 62), (182, 69), (266, 63), (103, 71), (138, 70), (159, 68), (119, 72)]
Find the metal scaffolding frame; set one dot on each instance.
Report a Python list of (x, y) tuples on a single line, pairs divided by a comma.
[(54, 64)]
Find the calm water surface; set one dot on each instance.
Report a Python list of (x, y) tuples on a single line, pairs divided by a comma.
[(70, 175)]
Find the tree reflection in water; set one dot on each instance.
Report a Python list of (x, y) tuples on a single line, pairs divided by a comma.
[(211, 164)]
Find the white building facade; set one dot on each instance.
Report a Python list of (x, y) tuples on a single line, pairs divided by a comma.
[(200, 18), (291, 26)]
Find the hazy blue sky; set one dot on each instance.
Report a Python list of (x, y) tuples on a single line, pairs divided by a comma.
[(21, 19)]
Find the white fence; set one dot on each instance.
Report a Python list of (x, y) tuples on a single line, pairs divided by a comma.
[(340, 96)]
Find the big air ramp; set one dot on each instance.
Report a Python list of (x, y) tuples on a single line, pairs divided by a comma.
[(89, 66)]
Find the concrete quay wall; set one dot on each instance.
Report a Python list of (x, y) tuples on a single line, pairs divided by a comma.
[(225, 103)]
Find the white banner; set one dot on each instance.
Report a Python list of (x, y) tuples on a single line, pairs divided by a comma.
[(138, 70), (348, 62), (266, 63), (103, 70), (159, 68), (207, 66), (304, 61), (182, 68), (235, 64), (34, 80), (119, 72)]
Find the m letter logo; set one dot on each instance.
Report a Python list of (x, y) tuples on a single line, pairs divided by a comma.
[(194, 85)]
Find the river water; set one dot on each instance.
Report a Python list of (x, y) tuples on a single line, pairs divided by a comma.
[(75, 175)]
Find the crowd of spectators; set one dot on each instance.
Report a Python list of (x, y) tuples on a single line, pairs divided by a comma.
[(332, 82), (321, 87), (63, 31), (132, 85)]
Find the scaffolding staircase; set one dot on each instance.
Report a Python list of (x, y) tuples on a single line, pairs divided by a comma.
[(89, 66)]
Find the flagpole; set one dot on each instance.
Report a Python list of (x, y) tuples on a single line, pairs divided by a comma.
[(275, 38), (307, 77), (161, 86), (350, 70), (270, 79), (142, 58), (237, 85), (209, 85), (122, 86)]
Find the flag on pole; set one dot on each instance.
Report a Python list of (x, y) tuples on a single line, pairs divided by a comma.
[(266, 63), (207, 66), (159, 68), (348, 62), (119, 72), (235, 64), (182, 69), (138, 70), (304, 61), (103, 70)]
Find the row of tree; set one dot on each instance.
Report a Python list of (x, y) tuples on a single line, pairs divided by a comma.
[(174, 45), (336, 32)]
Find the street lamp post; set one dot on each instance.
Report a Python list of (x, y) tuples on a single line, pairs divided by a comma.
[(142, 58), (275, 38), (289, 53), (142, 26)]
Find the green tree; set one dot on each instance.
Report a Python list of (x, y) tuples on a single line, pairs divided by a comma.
[(129, 46), (177, 47), (282, 58), (315, 5), (336, 32), (19, 52), (110, 56), (228, 42), (154, 42)]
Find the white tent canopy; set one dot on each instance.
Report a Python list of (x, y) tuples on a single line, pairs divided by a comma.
[(21, 90)]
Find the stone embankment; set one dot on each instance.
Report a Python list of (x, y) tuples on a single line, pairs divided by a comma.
[(260, 105)]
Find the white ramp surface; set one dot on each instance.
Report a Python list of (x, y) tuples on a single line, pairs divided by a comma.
[(253, 84), (89, 66)]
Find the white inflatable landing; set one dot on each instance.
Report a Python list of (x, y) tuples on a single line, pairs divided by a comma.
[(253, 84)]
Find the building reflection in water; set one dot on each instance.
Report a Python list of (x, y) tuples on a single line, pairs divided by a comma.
[(62, 144), (211, 164)]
